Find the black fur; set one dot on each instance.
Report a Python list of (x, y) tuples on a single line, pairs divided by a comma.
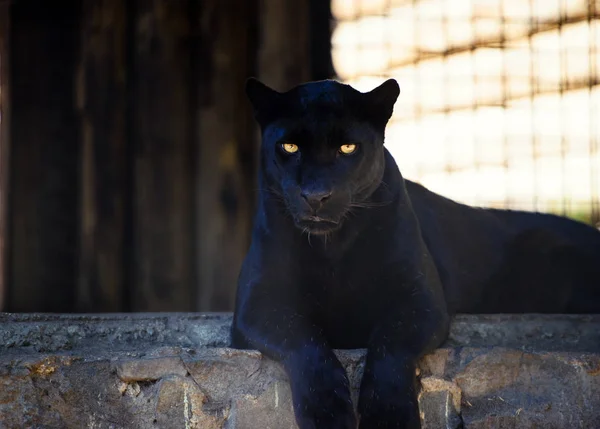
[(345, 253)]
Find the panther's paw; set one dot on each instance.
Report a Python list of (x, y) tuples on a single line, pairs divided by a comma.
[(322, 399), (390, 417)]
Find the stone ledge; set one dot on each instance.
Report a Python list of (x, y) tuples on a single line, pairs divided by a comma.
[(124, 332), (173, 371)]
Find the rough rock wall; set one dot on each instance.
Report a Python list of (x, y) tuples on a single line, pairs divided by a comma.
[(173, 371)]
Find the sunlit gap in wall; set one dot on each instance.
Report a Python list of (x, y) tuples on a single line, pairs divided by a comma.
[(500, 102)]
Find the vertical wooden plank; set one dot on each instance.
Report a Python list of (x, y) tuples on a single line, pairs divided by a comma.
[(320, 31), (162, 145), (4, 148), (102, 105), (44, 156), (284, 56), (227, 149)]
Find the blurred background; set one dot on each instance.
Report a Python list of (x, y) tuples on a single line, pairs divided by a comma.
[(128, 152)]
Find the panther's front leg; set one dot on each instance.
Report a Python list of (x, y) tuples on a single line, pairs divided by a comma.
[(320, 391), (388, 395), (319, 384), (389, 388), (283, 329)]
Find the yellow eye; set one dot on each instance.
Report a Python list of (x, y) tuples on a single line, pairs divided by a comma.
[(290, 147), (347, 149)]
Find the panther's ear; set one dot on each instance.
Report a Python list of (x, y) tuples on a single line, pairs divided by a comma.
[(381, 100), (265, 101)]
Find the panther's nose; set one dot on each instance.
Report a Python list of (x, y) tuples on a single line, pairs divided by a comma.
[(315, 198)]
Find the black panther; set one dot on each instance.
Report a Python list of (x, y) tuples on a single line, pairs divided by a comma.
[(346, 253)]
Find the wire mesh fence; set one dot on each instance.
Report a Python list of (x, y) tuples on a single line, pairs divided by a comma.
[(500, 102)]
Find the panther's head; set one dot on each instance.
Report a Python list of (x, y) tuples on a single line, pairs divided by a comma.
[(322, 147)]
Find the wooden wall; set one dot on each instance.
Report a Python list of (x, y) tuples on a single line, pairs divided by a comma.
[(132, 149), (4, 147), (44, 153)]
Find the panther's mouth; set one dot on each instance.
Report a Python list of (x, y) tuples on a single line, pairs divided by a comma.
[(317, 225)]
